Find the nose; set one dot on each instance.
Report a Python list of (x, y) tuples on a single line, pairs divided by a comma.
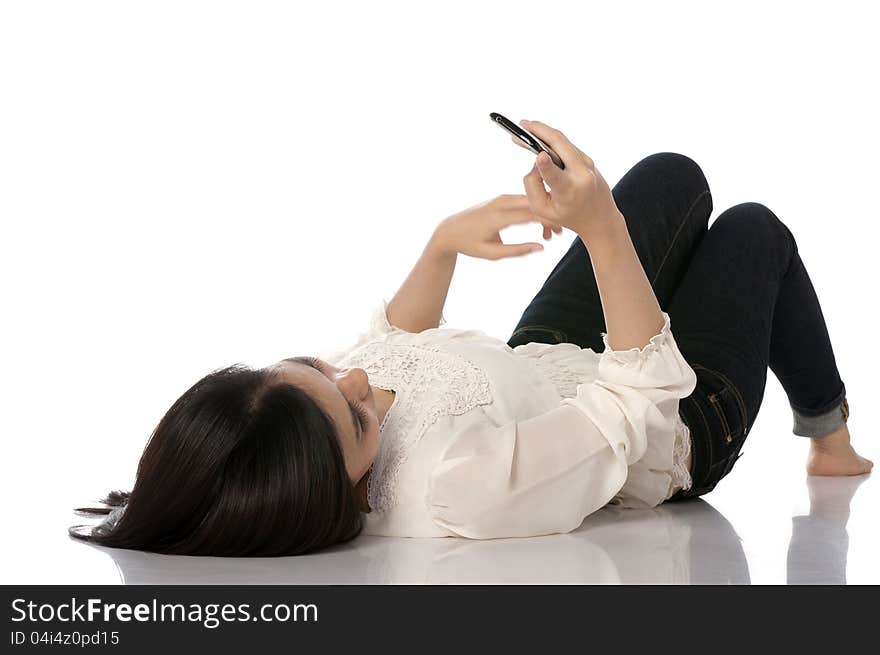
[(354, 381)]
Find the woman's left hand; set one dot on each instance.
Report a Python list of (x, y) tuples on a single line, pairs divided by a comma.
[(476, 231)]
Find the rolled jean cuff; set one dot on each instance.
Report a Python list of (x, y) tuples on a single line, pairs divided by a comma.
[(819, 426)]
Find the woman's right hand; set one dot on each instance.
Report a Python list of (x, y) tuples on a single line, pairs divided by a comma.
[(579, 197)]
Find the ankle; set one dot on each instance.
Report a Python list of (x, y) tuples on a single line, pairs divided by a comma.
[(833, 441)]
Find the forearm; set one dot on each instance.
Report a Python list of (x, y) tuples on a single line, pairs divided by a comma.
[(418, 304), (632, 313)]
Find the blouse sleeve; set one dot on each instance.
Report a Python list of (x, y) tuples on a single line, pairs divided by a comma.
[(545, 474)]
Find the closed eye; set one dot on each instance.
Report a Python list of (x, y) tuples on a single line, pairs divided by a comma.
[(359, 417)]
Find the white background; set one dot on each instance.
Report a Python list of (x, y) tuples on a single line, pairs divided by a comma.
[(186, 185)]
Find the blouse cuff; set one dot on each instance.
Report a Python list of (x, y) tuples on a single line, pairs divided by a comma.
[(639, 355), (380, 324)]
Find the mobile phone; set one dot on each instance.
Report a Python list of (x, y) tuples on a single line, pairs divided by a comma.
[(530, 141)]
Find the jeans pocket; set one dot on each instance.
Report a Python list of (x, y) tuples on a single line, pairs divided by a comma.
[(538, 334), (726, 408), (728, 405)]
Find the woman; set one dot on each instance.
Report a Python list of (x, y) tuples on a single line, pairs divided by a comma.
[(419, 430)]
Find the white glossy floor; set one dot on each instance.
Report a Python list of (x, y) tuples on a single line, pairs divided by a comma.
[(830, 540), (678, 543), (765, 523)]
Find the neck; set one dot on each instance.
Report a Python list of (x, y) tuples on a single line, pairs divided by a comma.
[(384, 400), (360, 492)]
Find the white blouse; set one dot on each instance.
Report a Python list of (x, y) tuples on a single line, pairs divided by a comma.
[(483, 440)]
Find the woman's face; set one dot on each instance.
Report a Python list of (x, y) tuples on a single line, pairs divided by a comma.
[(347, 397)]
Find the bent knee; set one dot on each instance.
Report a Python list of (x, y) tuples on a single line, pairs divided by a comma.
[(748, 216), (678, 167), (753, 221)]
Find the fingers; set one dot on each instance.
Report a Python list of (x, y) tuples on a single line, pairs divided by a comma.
[(548, 174), (519, 142), (512, 201), (504, 250), (555, 139), (538, 198), (550, 226), (515, 217), (515, 210), (554, 175)]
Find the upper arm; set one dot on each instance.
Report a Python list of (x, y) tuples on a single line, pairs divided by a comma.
[(538, 476)]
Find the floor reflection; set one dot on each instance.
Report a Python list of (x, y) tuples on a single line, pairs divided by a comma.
[(682, 543), (819, 541), (679, 543)]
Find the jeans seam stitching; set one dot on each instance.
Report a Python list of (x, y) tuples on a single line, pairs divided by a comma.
[(684, 221)]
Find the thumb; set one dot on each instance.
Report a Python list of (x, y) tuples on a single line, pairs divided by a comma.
[(551, 173)]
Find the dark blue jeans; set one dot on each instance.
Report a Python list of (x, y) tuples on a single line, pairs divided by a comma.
[(739, 300)]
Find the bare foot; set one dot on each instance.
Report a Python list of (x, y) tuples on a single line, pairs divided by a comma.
[(832, 454)]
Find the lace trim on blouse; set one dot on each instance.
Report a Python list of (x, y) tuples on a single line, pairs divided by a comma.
[(428, 383), (565, 379), (681, 476)]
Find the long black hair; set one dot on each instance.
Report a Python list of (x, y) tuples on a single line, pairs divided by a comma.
[(242, 464)]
